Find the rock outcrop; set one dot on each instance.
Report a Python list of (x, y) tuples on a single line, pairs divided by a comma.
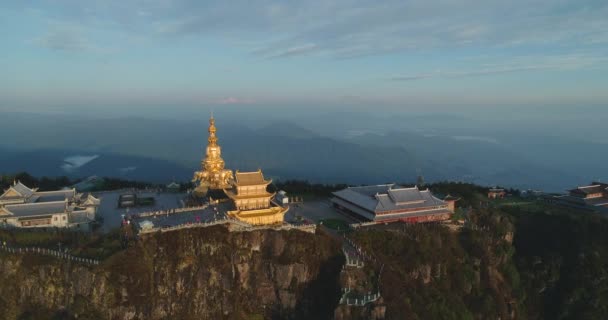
[(206, 273)]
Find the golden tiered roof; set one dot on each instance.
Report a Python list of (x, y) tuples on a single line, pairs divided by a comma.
[(212, 175), (267, 216), (253, 181), (250, 178), (252, 200)]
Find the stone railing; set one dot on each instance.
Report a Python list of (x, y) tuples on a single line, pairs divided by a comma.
[(353, 260), (356, 257), (240, 226), (185, 226), (306, 228), (124, 190), (359, 250), (94, 193), (359, 301), (363, 224), (132, 190), (169, 212), (48, 252)]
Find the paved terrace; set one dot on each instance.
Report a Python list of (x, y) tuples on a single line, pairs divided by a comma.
[(108, 208), (166, 203), (315, 211), (179, 217)]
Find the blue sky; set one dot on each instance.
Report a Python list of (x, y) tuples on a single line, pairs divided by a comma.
[(368, 54)]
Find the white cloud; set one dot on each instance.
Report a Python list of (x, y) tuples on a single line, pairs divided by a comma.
[(472, 73), (517, 64), (294, 51), (351, 28), (233, 100), (64, 38), (73, 163)]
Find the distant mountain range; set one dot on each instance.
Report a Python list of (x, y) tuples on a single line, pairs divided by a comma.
[(165, 149), (55, 162), (159, 150), (479, 160)]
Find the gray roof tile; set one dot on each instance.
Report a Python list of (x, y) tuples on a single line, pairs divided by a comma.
[(389, 197), (35, 209)]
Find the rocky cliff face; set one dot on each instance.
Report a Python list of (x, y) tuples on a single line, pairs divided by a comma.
[(193, 274), (490, 270), (431, 272)]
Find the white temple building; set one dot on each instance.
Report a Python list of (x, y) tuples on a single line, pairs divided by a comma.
[(23, 207), (391, 202)]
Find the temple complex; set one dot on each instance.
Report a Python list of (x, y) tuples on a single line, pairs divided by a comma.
[(390, 202), (593, 197), (253, 203), (24, 207), (212, 175)]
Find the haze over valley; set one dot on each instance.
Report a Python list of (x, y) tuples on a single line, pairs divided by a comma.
[(491, 92), (321, 146)]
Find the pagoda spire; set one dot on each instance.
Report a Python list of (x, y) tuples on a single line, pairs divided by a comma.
[(212, 175), (212, 130)]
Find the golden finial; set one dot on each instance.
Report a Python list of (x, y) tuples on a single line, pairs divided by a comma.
[(212, 173), (212, 138)]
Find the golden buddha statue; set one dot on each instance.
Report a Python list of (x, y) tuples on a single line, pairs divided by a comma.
[(212, 174)]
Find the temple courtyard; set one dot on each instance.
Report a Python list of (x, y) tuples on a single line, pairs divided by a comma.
[(315, 211), (112, 214), (308, 212)]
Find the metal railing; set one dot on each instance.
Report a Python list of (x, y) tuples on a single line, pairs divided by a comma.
[(353, 260), (48, 252), (358, 301), (169, 212)]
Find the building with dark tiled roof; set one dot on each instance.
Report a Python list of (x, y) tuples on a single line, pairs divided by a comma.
[(592, 197), (391, 202), (23, 207)]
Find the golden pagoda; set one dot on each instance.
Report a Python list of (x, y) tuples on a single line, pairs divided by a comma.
[(212, 174), (252, 201)]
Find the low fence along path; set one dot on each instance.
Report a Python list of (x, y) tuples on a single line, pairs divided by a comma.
[(48, 252)]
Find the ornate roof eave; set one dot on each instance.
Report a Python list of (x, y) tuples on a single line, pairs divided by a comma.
[(265, 183), (451, 198), (91, 200), (9, 189), (233, 195), (229, 193), (26, 187), (259, 212), (5, 212)]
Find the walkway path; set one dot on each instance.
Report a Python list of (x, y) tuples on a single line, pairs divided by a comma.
[(48, 252)]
